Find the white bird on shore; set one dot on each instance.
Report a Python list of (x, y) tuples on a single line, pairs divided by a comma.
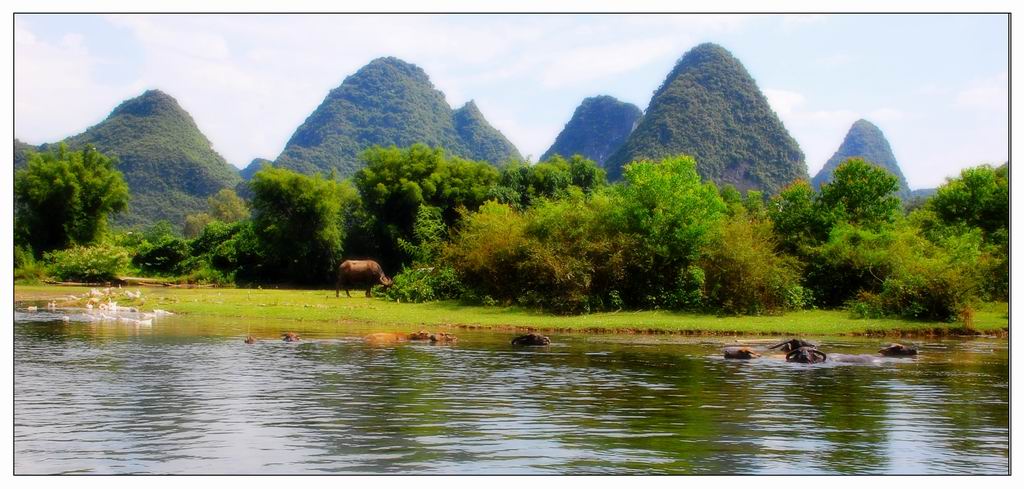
[(66, 319), (32, 308)]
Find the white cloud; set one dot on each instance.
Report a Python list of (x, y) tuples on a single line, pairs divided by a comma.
[(56, 93), (986, 94), (785, 102)]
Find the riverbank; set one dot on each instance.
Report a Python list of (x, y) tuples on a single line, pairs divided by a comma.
[(320, 306)]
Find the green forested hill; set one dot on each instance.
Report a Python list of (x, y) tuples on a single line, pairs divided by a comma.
[(482, 140), (387, 102), (254, 166), (709, 107), (168, 163), (20, 150), (864, 140), (597, 128)]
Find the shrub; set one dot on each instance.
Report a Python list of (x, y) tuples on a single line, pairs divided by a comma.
[(424, 284), (100, 263), (744, 273)]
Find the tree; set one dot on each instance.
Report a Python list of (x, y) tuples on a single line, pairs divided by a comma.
[(396, 182), (520, 184), (980, 198), (297, 220), (862, 194), (63, 198), (226, 206), (671, 215)]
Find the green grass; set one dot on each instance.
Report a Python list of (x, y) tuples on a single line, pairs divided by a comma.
[(322, 306)]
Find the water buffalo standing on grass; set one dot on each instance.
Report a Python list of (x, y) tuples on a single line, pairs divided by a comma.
[(360, 273)]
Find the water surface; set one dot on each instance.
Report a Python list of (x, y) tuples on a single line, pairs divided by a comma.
[(189, 397)]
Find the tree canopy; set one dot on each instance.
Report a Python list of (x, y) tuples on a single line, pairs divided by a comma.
[(63, 198)]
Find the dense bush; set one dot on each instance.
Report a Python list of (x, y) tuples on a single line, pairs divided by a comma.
[(425, 284), (100, 263), (744, 274)]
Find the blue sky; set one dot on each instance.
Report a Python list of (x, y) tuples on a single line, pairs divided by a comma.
[(935, 84)]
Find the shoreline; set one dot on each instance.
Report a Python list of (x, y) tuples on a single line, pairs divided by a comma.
[(312, 306)]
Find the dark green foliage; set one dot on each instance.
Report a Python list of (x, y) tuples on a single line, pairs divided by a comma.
[(864, 141), (743, 272), (168, 163), (861, 193), (387, 102), (710, 108), (164, 257), (483, 141), (597, 128), (796, 218), (63, 198), (297, 220), (396, 182), (520, 184)]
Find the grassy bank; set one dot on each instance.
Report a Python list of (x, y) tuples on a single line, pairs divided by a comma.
[(322, 306)]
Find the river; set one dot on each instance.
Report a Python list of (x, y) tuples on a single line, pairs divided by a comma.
[(184, 396)]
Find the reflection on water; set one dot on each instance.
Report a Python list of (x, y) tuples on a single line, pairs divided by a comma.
[(183, 397)]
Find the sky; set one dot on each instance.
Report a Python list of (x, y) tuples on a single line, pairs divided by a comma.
[(937, 85)]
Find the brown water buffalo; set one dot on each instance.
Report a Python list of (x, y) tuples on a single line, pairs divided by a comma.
[(793, 344), (250, 340), (290, 337), (443, 338), (740, 353), (360, 273), (806, 354), (531, 339), (421, 335), (898, 350)]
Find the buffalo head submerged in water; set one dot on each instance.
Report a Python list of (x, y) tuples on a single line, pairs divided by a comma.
[(740, 353), (806, 354), (361, 273), (898, 350), (531, 339)]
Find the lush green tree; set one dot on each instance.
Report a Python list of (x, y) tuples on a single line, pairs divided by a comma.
[(298, 222), (195, 223), (862, 194), (520, 184), (670, 213), (980, 198), (63, 198), (396, 182), (797, 220), (227, 206)]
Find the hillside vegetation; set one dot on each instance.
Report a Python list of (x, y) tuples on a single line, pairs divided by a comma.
[(597, 128), (388, 102), (710, 108)]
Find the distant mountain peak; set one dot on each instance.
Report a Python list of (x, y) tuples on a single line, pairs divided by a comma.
[(598, 126), (709, 107), (388, 102), (864, 140), (168, 163)]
